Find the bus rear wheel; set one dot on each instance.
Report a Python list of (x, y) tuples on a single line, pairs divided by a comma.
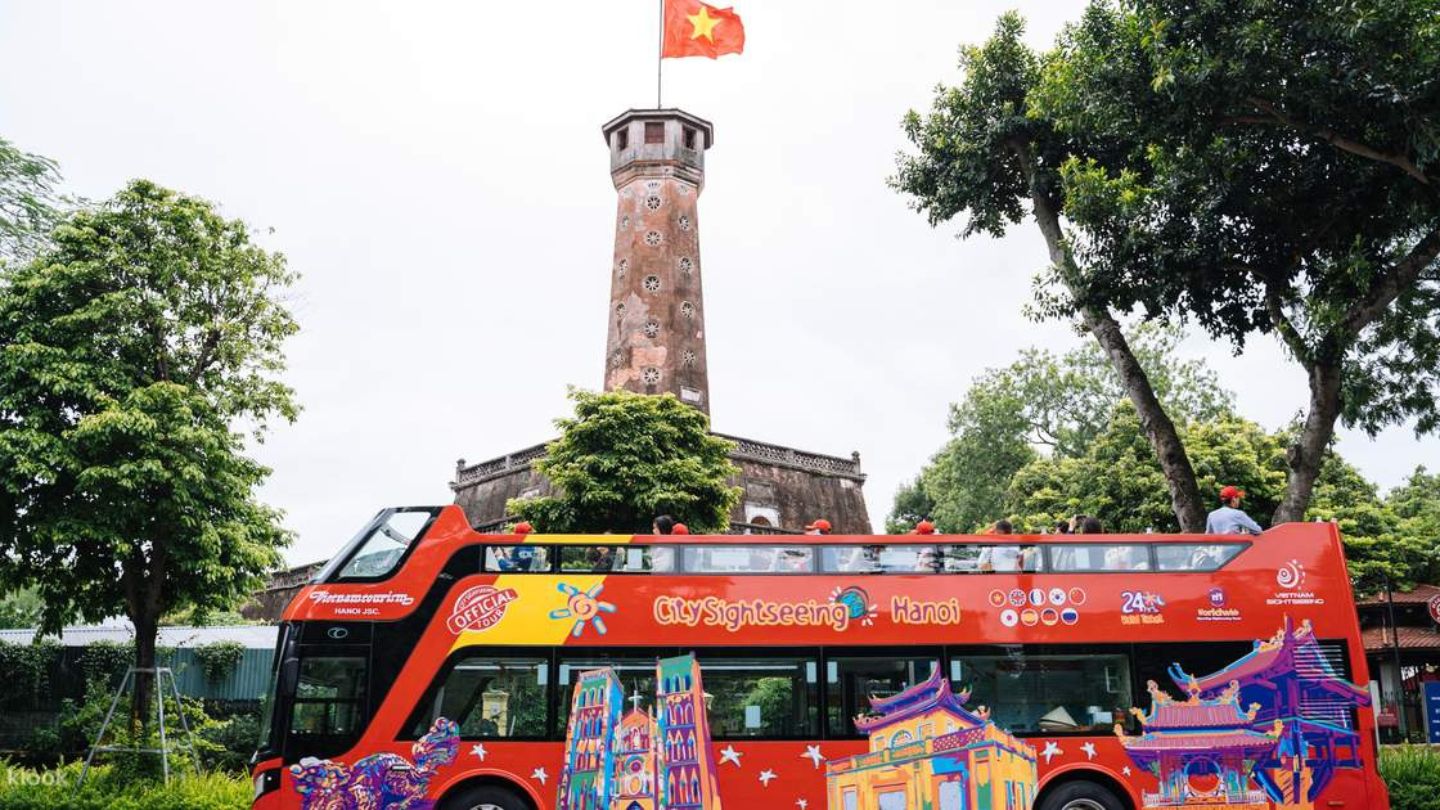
[(1081, 795), (486, 797)]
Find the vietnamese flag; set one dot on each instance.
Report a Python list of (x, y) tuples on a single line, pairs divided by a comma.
[(693, 28)]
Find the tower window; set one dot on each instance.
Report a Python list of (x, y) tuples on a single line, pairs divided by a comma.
[(684, 223), (688, 359), (622, 138), (650, 375), (687, 309), (652, 284), (654, 132), (686, 265), (620, 310), (653, 238), (652, 329), (652, 202), (689, 138), (622, 268)]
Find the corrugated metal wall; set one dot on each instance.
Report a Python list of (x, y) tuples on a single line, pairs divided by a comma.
[(247, 681)]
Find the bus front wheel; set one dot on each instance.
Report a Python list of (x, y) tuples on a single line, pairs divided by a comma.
[(486, 797), (1081, 795)]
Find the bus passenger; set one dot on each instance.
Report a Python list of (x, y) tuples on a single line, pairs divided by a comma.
[(818, 526), (663, 524), (1228, 519)]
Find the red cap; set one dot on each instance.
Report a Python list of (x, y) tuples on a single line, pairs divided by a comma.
[(818, 525), (680, 528), (924, 527), (524, 527), (1227, 493)]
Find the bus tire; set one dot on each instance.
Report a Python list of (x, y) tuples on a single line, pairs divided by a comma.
[(486, 797), (1081, 794)]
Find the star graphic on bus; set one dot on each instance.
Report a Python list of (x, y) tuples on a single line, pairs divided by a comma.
[(729, 754), (812, 753), (1051, 751), (584, 607)]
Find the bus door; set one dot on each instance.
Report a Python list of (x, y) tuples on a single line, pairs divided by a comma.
[(328, 684)]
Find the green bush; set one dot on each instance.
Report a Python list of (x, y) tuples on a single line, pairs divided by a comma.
[(219, 659), (1412, 773), (56, 789)]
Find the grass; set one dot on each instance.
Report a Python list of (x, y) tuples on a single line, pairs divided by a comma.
[(58, 789)]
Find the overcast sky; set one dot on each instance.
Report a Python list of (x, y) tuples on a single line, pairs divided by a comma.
[(436, 173)]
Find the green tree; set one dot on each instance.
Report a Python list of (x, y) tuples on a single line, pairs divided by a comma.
[(1046, 405), (624, 458), (132, 352), (20, 610), (985, 154), (1282, 180), (27, 201)]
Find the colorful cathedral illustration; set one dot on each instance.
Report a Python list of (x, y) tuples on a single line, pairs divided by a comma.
[(1267, 731), (928, 751), (646, 760)]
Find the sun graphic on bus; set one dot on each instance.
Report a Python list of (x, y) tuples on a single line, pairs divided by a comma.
[(584, 607), (857, 602)]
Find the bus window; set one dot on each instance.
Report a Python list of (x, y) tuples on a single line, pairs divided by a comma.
[(636, 671), (380, 552), (878, 559), (489, 696), (517, 559), (853, 680), (1050, 694), (761, 697), (610, 559), (1197, 557), (1120, 557), (749, 559), (994, 559), (327, 715)]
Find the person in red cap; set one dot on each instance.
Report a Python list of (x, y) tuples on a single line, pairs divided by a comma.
[(680, 528), (818, 526), (1228, 519), (924, 527)]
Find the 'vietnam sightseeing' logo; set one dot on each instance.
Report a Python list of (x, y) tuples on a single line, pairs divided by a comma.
[(1290, 578), (480, 608)]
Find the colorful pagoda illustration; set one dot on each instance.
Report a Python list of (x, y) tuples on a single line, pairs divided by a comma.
[(647, 760), (594, 708), (1280, 751), (928, 751)]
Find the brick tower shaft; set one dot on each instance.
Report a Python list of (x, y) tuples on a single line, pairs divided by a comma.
[(656, 337)]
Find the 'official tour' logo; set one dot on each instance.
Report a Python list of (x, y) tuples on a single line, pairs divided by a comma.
[(480, 608)]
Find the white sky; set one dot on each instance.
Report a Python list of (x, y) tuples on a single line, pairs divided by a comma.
[(436, 173)]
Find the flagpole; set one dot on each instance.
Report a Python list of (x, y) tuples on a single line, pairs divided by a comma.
[(660, 58)]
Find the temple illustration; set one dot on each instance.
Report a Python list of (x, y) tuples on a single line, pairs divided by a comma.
[(646, 760), (1267, 731), (928, 751)]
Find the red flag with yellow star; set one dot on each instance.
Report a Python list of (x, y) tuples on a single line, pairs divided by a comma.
[(693, 28)]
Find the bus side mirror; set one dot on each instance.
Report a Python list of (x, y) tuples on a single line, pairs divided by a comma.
[(289, 675)]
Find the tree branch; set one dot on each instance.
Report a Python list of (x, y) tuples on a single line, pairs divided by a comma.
[(1405, 274), (1335, 139)]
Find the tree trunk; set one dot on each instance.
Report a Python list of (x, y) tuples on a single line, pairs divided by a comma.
[(146, 629), (1164, 439), (1307, 454)]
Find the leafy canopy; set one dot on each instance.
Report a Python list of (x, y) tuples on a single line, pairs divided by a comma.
[(132, 351), (1044, 405), (624, 458), (27, 201)]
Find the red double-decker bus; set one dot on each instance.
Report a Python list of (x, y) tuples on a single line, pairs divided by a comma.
[(431, 664)]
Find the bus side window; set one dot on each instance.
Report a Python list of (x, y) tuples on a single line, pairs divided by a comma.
[(759, 697), (489, 696), (1050, 694), (1195, 557), (853, 680), (1008, 559), (1114, 557), (749, 559), (328, 712), (517, 559)]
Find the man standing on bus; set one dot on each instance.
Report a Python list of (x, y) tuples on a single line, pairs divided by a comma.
[(1228, 519)]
